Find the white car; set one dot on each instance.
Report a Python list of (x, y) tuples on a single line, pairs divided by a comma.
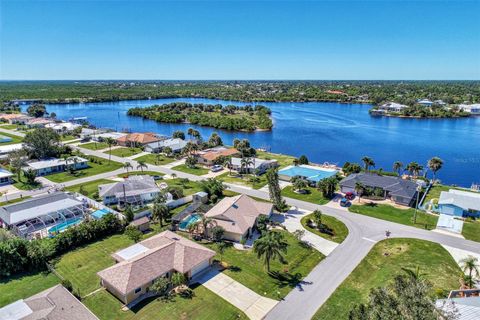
[(216, 168)]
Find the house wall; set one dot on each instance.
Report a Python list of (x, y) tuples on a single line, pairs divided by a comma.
[(232, 236), (402, 200)]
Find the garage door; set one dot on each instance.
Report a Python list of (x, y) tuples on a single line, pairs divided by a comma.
[(199, 268)]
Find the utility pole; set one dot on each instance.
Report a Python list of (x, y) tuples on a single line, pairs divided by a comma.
[(416, 207)]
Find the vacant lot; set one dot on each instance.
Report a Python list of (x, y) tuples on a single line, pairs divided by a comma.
[(199, 171)]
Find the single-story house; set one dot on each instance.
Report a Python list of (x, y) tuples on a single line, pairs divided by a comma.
[(142, 224), (111, 134), (61, 127), (38, 122), (238, 215), (207, 157), (392, 107), (134, 190), (459, 203), (54, 165), (16, 118), (425, 102), (258, 165), (5, 177), (471, 108), (9, 148), (138, 139), (55, 303), (88, 133), (34, 217), (175, 144), (464, 304), (398, 190), (159, 256)]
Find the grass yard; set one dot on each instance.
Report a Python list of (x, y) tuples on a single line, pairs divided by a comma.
[(312, 195), (283, 160), (94, 145), (246, 268), (258, 183), (125, 152), (199, 171), (9, 126), (189, 187), (24, 286), (67, 137), (205, 305), (434, 192), (403, 216), (382, 264), (99, 166), (13, 201), (471, 230), (15, 139), (155, 159), (136, 173), (22, 183), (340, 231), (90, 187)]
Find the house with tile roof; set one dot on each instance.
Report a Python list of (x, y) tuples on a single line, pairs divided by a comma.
[(138, 139), (208, 157), (238, 215), (139, 265)]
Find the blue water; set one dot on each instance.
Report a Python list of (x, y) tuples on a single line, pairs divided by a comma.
[(183, 225), (64, 225), (309, 173), (100, 213), (331, 132)]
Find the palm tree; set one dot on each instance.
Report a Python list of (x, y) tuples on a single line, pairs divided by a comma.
[(173, 175), (142, 165), (127, 165), (221, 247), (206, 223), (368, 162), (414, 168), (299, 183), (245, 163), (160, 211), (75, 162), (66, 158), (470, 265), (397, 166), (435, 164), (270, 246), (193, 227), (359, 189), (190, 132), (110, 142), (167, 151)]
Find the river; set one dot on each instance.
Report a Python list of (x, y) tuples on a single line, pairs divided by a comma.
[(325, 132)]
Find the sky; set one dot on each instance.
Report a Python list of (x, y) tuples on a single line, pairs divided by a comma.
[(244, 40)]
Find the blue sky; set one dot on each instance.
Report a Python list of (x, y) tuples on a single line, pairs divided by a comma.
[(239, 40)]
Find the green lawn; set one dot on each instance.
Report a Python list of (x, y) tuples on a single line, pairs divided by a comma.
[(67, 137), (382, 264), (9, 126), (90, 187), (471, 230), (135, 173), (205, 305), (15, 139), (100, 166), (246, 268), (155, 159), (94, 145), (403, 216), (23, 286), (283, 160), (258, 183), (199, 171), (312, 195), (434, 192), (340, 231), (125, 152), (22, 184), (189, 187), (13, 201)]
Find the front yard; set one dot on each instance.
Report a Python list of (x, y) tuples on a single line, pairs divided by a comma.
[(247, 180), (339, 230), (313, 195), (94, 145), (89, 187), (198, 170), (382, 264), (125, 152), (471, 230), (156, 159)]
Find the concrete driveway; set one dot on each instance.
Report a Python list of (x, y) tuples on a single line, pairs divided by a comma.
[(252, 304)]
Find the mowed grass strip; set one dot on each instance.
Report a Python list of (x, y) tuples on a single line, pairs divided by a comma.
[(199, 171), (156, 159), (340, 230), (94, 145), (382, 264), (25, 285), (89, 187), (312, 195), (125, 152)]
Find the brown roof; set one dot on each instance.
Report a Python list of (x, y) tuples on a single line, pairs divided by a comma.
[(10, 116), (237, 214), (142, 138), (213, 154), (162, 253), (140, 221)]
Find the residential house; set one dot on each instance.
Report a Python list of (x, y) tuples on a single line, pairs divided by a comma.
[(391, 107), (54, 165), (175, 144), (42, 216), (459, 203), (38, 122), (463, 304), (398, 190), (208, 157), (88, 133), (9, 148), (110, 134), (138, 139), (425, 102), (5, 177), (238, 215), (474, 109), (139, 265), (134, 190), (55, 303), (258, 166), (62, 127), (16, 118)]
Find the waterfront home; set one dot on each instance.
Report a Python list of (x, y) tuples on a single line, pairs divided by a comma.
[(425, 102), (439, 103), (88, 133), (9, 148), (15, 118), (258, 166), (55, 303), (138, 139), (313, 174), (38, 122), (208, 157), (110, 134), (473, 109), (62, 127), (459, 203), (238, 216), (134, 190), (398, 190), (54, 165), (42, 216), (139, 265), (464, 303), (5, 177), (175, 144), (391, 107)]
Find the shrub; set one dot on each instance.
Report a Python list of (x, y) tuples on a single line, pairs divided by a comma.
[(161, 286), (67, 284)]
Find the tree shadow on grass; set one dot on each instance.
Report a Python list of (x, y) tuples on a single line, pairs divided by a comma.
[(287, 279), (234, 268)]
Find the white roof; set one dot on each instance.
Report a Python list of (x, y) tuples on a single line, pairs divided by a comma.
[(5, 173), (393, 105), (464, 308), (463, 199), (15, 311), (113, 135), (10, 147), (175, 144), (53, 162), (61, 125), (257, 163), (132, 251), (449, 223)]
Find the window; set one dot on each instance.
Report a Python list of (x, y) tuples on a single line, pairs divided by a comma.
[(138, 290)]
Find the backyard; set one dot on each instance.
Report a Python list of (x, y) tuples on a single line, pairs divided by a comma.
[(156, 159), (339, 230), (434, 192), (23, 184), (198, 170), (312, 195), (125, 152), (382, 264), (283, 160)]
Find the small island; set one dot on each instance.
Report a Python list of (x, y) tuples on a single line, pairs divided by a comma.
[(231, 117), (424, 109)]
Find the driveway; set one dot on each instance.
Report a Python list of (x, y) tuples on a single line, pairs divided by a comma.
[(251, 303)]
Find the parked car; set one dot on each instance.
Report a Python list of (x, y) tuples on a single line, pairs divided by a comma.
[(344, 202), (157, 177), (216, 168), (350, 196)]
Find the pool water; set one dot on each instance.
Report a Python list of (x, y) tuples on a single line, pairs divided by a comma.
[(100, 213), (312, 174), (64, 226), (183, 225)]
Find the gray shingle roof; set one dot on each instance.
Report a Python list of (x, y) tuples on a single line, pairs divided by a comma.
[(134, 185), (395, 185)]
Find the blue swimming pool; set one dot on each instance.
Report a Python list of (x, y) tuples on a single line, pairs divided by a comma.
[(64, 226), (183, 225), (100, 213), (310, 173)]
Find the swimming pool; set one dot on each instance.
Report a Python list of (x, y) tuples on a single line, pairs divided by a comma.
[(64, 226), (100, 213), (183, 225), (310, 173)]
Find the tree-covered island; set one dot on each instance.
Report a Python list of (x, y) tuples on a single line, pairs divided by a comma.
[(231, 117)]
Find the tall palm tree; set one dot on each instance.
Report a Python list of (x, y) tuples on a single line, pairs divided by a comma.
[(206, 223), (397, 166), (75, 162), (470, 265), (245, 163), (160, 211), (368, 162), (110, 142), (193, 227), (359, 189), (414, 168), (435, 164), (271, 246), (127, 165), (142, 165), (66, 158), (190, 132)]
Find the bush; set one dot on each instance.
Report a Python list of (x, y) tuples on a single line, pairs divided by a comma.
[(133, 233), (176, 192), (161, 286), (67, 284)]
